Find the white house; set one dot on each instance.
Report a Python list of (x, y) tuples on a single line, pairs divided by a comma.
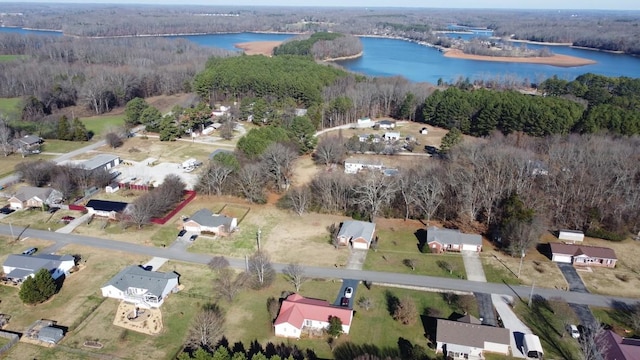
[(111, 188), (468, 340), (364, 123), (298, 314), (392, 136), (204, 220), (353, 166), (146, 289), (106, 208), (387, 124), (19, 267), (441, 240), (571, 236), (424, 131)]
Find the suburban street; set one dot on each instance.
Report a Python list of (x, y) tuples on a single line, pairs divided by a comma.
[(397, 279)]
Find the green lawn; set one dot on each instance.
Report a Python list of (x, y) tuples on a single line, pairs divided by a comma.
[(61, 146), (4, 58), (101, 124), (165, 235), (548, 320), (10, 107), (498, 274)]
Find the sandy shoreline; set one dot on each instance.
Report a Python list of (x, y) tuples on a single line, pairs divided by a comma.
[(266, 48), (555, 60)]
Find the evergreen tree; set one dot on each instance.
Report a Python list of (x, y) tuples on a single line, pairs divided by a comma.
[(151, 118), (133, 110), (335, 326), (302, 133), (451, 139), (38, 288), (79, 131), (63, 131), (169, 131)]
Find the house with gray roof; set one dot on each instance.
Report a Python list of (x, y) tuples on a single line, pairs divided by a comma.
[(101, 161), (146, 289), (19, 267), (204, 220), (466, 340), (357, 234), (31, 196), (27, 144), (441, 240)]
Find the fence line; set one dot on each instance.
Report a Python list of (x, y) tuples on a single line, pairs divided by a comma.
[(13, 339)]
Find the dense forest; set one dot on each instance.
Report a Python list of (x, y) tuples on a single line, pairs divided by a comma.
[(606, 30), (591, 103), (321, 46)]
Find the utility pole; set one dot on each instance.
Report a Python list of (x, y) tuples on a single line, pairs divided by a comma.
[(520, 267), (531, 295), (11, 227)]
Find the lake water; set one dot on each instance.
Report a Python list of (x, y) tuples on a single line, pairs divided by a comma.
[(391, 57)]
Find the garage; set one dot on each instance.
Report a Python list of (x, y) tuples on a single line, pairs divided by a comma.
[(561, 258), (469, 247), (360, 244)]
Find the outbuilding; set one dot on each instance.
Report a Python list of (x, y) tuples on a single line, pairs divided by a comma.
[(571, 236), (50, 334)]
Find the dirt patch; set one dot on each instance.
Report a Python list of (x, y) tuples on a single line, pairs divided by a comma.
[(305, 170), (555, 60), (146, 321), (258, 47)]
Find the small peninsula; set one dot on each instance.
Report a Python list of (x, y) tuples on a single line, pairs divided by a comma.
[(553, 60)]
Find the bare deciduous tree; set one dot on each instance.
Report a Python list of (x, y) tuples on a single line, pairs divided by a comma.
[(207, 328), (141, 210), (366, 303), (261, 270), (114, 140), (278, 161), (295, 275), (6, 135), (299, 199), (593, 344), (251, 182), (218, 263), (405, 311), (373, 192), (330, 150), (228, 283), (214, 178)]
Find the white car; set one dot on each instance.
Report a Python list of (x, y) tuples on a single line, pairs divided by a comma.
[(348, 292), (575, 333)]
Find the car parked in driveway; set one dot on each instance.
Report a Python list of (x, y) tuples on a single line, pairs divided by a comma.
[(182, 232), (6, 210), (348, 292), (30, 251), (573, 330), (53, 210), (344, 302), (193, 237), (67, 219)]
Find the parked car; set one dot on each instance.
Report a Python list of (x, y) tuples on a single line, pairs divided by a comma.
[(30, 251), (348, 292), (182, 232), (344, 302), (68, 218), (573, 330), (6, 210), (53, 209), (193, 237)]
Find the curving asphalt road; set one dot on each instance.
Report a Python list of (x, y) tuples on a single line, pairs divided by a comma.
[(410, 280)]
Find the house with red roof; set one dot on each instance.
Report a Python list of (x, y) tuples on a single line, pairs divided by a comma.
[(619, 348), (298, 314)]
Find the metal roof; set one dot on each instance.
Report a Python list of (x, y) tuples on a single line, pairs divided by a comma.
[(26, 265), (105, 205), (136, 277), (99, 161)]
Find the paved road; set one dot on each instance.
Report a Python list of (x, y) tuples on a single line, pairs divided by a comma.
[(335, 273)]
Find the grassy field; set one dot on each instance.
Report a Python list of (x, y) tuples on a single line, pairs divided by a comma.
[(548, 320), (10, 107), (61, 146), (100, 125), (495, 272), (39, 219), (4, 58)]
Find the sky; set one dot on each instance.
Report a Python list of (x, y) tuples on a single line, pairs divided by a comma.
[(493, 4)]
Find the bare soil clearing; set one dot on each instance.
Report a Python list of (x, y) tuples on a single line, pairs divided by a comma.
[(555, 60), (258, 47)]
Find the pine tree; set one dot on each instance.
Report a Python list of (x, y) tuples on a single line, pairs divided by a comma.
[(38, 288), (63, 130)]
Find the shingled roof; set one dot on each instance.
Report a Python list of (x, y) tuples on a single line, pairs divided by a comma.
[(25, 265), (449, 236), (354, 229), (27, 192), (136, 277), (207, 218), (466, 334), (296, 309), (577, 250)]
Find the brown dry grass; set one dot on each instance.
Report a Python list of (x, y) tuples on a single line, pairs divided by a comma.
[(555, 60), (258, 47)]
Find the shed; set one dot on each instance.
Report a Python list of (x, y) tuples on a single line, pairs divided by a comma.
[(571, 236), (50, 334)]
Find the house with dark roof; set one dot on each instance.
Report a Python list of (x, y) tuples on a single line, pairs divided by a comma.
[(619, 348), (441, 240), (101, 161), (146, 289), (19, 267), (204, 220), (105, 208), (582, 255), (299, 314), (357, 234), (465, 340), (386, 124), (27, 144), (32, 197)]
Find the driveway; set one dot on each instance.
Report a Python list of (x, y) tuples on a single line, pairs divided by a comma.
[(511, 322), (73, 224), (345, 284), (475, 272), (356, 259), (573, 279)]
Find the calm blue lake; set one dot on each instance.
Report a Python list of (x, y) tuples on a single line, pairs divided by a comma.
[(391, 57)]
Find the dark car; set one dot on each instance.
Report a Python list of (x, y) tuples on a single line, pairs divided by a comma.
[(68, 218), (193, 237), (182, 232), (53, 210), (344, 302), (6, 211)]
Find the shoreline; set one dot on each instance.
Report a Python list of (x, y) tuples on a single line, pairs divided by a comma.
[(348, 57), (555, 60), (266, 48)]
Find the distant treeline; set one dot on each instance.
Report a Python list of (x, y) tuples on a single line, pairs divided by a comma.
[(617, 31), (590, 104), (321, 46)]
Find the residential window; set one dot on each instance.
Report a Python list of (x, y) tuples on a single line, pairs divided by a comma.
[(307, 322)]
